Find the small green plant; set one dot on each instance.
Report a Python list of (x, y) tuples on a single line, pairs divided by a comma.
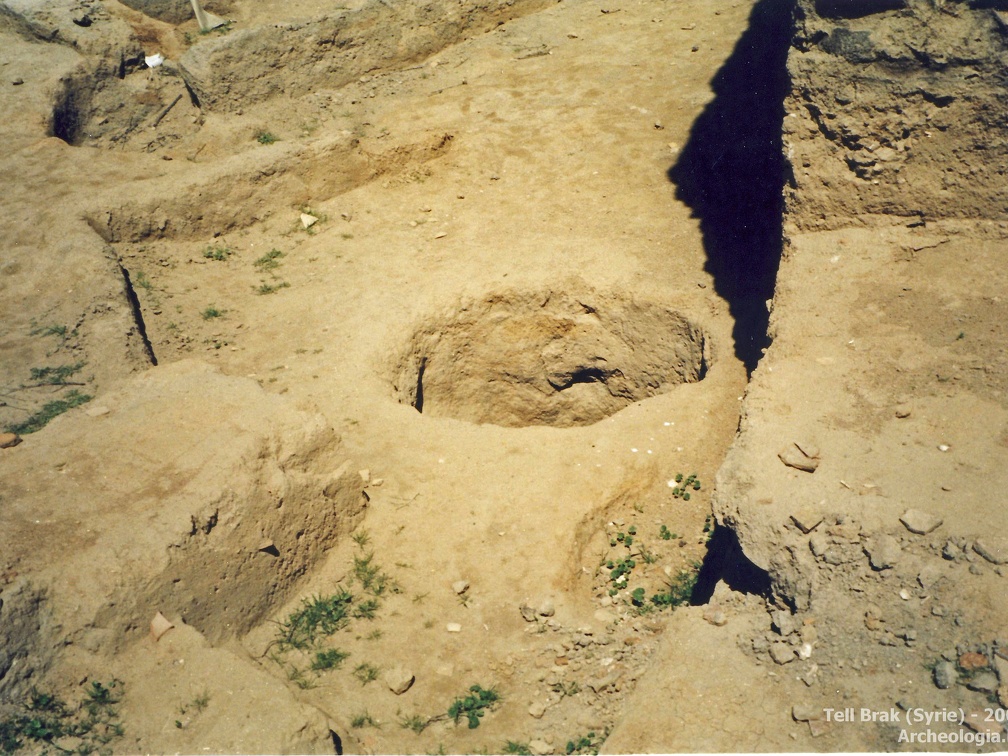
[(266, 137), (38, 420), (269, 261), (366, 673), (327, 659), (201, 701), (474, 705), (566, 689), (49, 330), (362, 538), (514, 747), (619, 571), (414, 722), (374, 635), (318, 616), (211, 312), (637, 597), (55, 376), (366, 609), (217, 252), (371, 577), (647, 555), (144, 282), (587, 744), (682, 490), (270, 288), (44, 718), (664, 533), (679, 589), (364, 720)]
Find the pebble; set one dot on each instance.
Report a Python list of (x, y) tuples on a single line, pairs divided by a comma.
[(399, 680), (945, 675), (784, 622), (460, 586), (993, 549), (453, 627), (803, 713), (8, 440), (17, 81), (546, 609), (540, 748), (98, 411), (782, 653), (903, 410), (800, 457), (972, 660), (527, 613), (883, 552), (818, 543), (160, 625), (983, 682), (308, 220), (537, 710), (919, 522), (715, 616)]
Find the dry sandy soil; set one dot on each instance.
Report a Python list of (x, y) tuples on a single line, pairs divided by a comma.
[(372, 338)]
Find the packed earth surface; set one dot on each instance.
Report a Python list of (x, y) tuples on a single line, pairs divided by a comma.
[(504, 376)]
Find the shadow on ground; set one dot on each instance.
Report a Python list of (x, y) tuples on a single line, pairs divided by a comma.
[(731, 173)]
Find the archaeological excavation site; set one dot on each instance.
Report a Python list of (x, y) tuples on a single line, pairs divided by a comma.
[(503, 376)]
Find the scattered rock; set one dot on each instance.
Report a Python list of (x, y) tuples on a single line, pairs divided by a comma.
[(919, 522), (399, 680), (308, 220), (453, 627), (17, 81), (460, 586), (802, 713), (818, 544), (159, 626), (810, 675), (98, 411), (945, 675), (782, 653), (800, 457), (365, 476), (983, 682), (972, 660), (8, 440), (546, 609), (605, 617), (883, 552), (993, 549), (527, 613), (819, 727), (784, 622), (929, 575), (540, 748), (715, 616), (903, 410), (537, 710)]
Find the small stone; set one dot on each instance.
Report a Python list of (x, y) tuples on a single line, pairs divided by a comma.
[(546, 609), (460, 586), (760, 644), (919, 522), (784, 622), (945, 675), (308, 220), (810, 675), (365, 476), (537, 709), (527, 613), (904, 594), (160, 625), (802, 713), (972, 660), (883, 552), (98, 411), (818, 544), (540, 748), (782, 653), (715, 616), (819, 727), (951, 550), (604, 617), (453, 627), (903, 410), (798, 457), (992, 548), (806, 520), (8, 440), (983, 682), (399, 680), (17, 81), (440, 234)]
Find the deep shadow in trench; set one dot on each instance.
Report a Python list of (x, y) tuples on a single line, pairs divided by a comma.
[(731, 173)]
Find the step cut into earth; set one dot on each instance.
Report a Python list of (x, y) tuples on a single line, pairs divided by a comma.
[(517, 359)]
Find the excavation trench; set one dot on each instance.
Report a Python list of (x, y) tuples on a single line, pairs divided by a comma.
[(519, 359)]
